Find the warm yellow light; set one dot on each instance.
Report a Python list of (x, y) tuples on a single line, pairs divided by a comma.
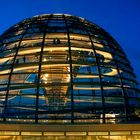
[(98, 45), (31, 133), (53, 133), (46, 75), (76, 133)]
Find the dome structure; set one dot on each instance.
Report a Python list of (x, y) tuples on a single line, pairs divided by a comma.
[(58, 68)]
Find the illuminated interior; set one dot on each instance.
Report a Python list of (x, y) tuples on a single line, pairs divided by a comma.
[(72, 135), (63, 69)]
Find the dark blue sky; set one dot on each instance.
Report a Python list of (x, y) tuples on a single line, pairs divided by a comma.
[(121, 18)]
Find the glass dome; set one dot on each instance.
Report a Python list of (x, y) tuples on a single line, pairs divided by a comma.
[(58, 68)]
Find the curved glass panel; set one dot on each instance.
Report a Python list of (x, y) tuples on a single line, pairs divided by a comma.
[(63, 69)]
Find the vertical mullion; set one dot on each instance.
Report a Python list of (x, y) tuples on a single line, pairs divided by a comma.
[(39, 72), (100, 78), (125, 98), (99, 72), (10, 74), (71, 78), (38, 78)]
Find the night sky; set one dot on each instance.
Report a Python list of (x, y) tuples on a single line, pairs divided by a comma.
[(121, 18)]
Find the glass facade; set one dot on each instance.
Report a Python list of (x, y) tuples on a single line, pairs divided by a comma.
[(63, 69)]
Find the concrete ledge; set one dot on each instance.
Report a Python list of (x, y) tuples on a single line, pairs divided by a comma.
[(69, 128)]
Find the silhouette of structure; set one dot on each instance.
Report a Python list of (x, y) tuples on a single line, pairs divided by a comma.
[(60, 69)]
